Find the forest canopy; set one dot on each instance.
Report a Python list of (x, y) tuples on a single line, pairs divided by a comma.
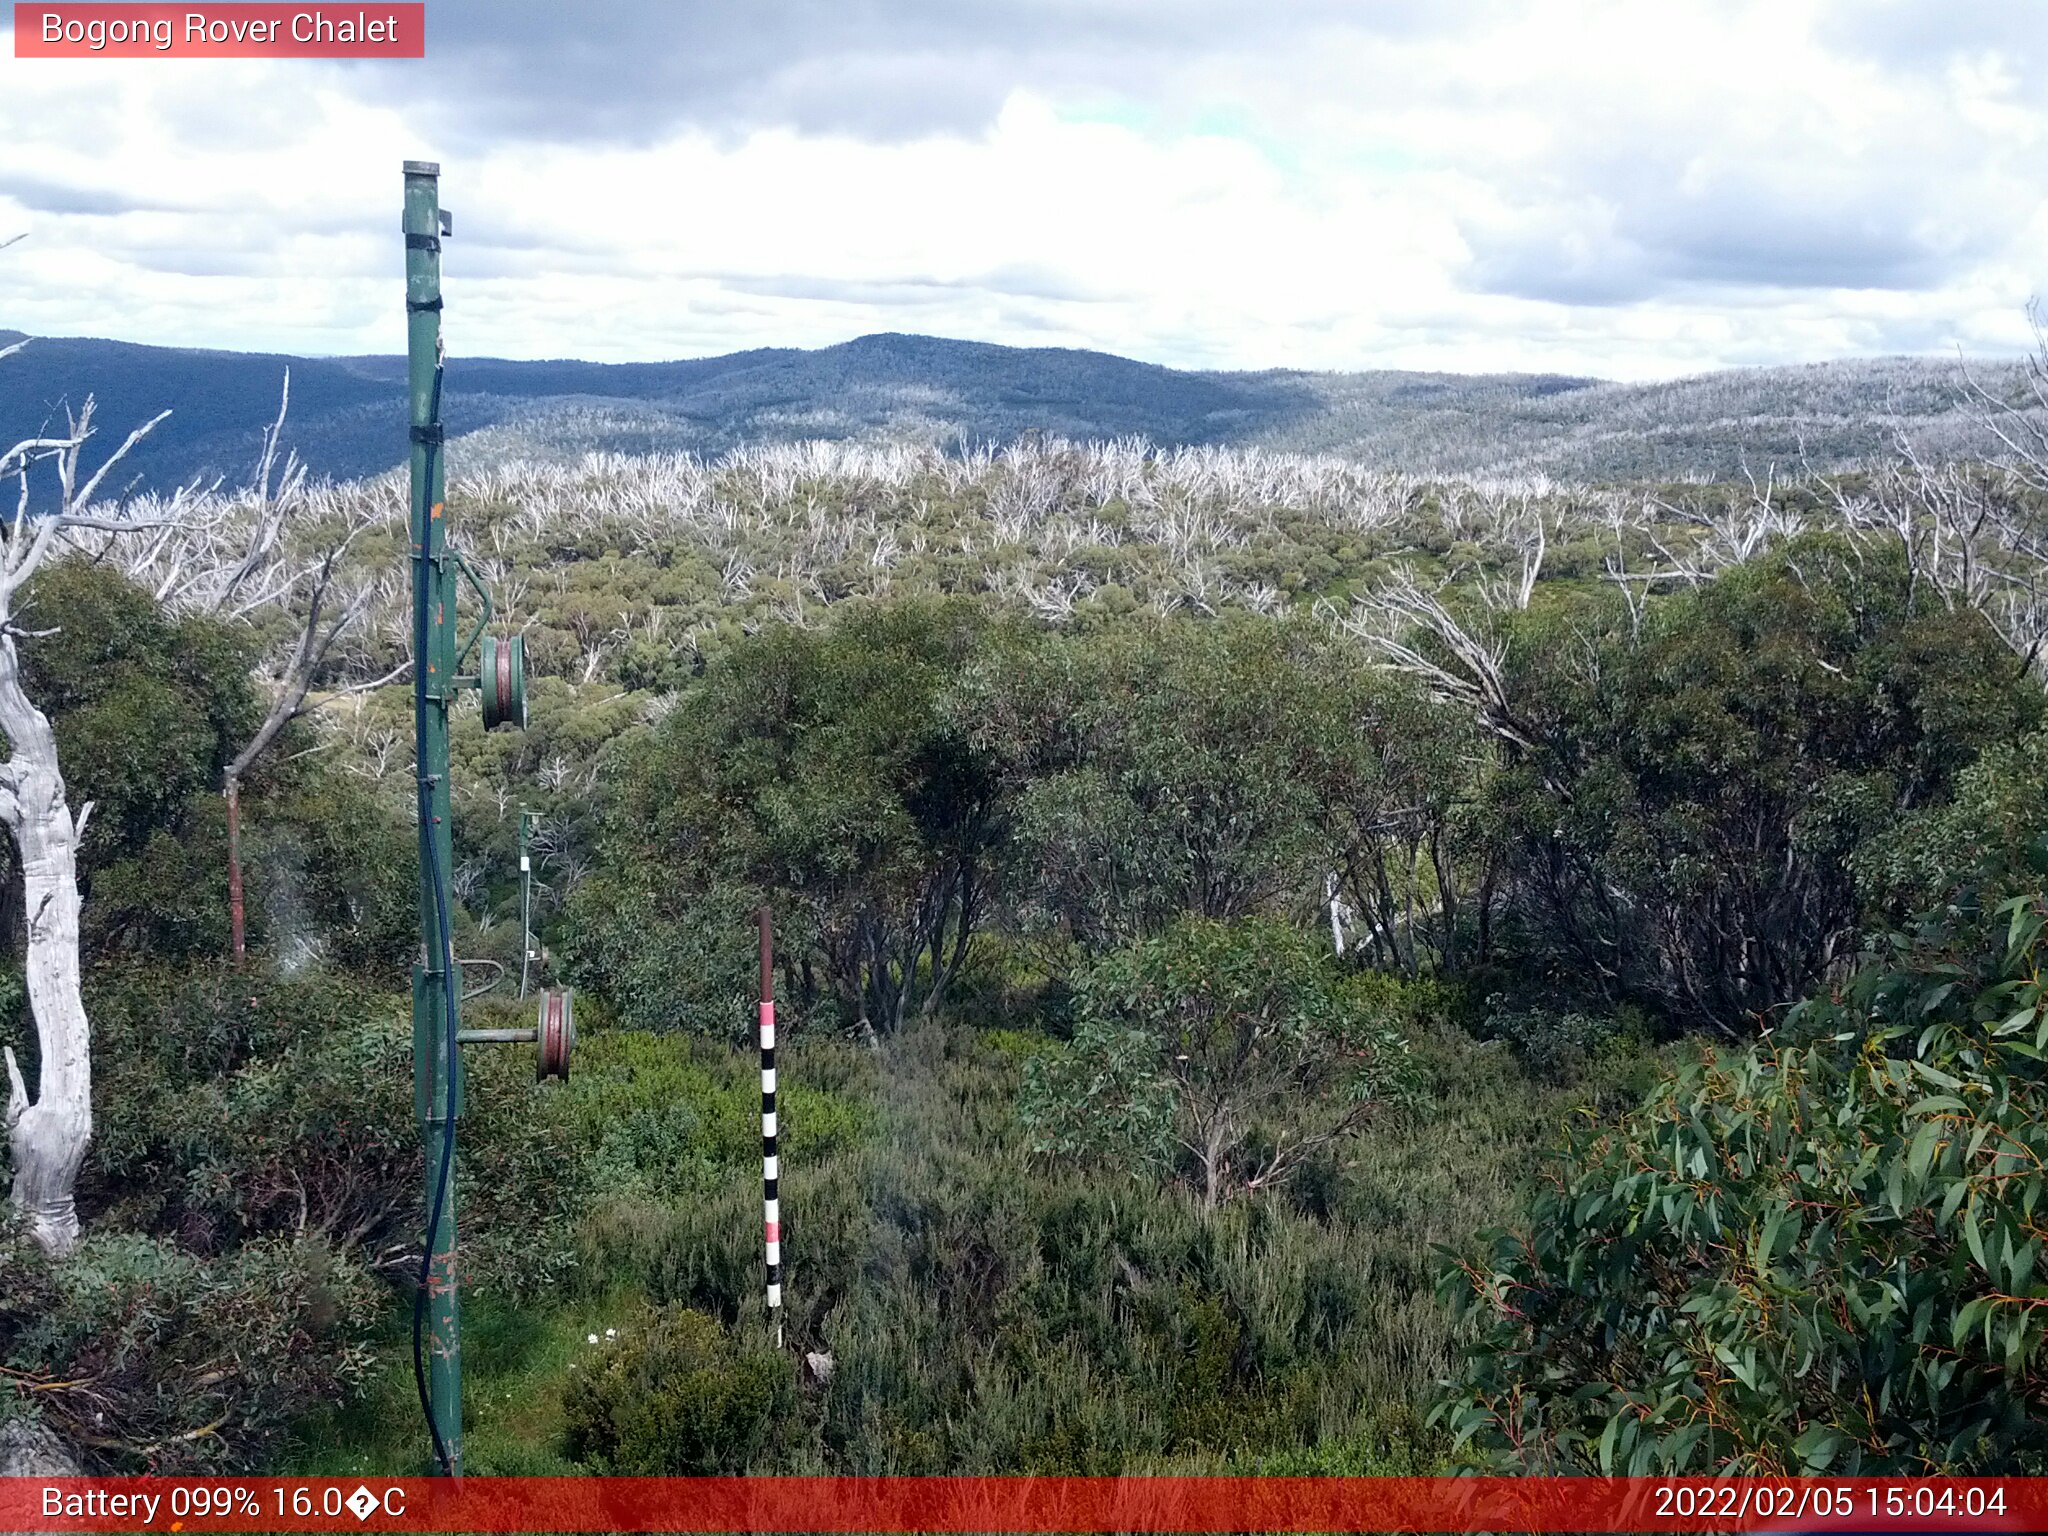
[(1204, 883)]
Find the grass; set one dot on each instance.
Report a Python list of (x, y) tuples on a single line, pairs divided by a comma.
[(515, 1361), (987, 1313)]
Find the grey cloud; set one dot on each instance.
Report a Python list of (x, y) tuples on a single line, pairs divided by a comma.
[(1688, 255), (1642, 237), (1561, 271), (636, 70), (222, 212), (473, 256), (1034, 282), (1917, 35), (40, 195), (1852, 254), (1908, 336), (1026, 321), (1872, 222), (204, 260)]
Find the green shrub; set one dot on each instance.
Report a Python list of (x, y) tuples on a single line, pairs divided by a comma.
[(1018, 1044), (816, 770), (662, 1116), (524, 1176), (1230, 1049), (236, 1104), (147, 1358), (676, 1395), (147, 710), (1156, 769), (1558, 1046), (1681, 833), (992, 1311), (333, 872), (1392, 1442), (1961, 851), (1816, 1256)]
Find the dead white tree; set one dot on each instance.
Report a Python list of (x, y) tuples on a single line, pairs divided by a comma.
[(1409, 630), (1530, 543), (243, 563), (2019, 421), (328, 616), (47, 1134), (1975, 534)]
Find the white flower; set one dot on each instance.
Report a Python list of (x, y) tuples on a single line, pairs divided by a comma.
[(593, 1338), (611, 1333)]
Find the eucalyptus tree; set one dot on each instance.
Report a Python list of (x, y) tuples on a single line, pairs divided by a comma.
[(817, 770), (1158, 769), (1229, 1052), (276, 557), (1816, 1254)]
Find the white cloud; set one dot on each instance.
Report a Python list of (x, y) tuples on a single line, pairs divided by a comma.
[(1585, 186)]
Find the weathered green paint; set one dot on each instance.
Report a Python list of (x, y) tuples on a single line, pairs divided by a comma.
[(435, 1066)]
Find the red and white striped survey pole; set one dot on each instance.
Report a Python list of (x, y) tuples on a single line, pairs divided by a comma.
[(771, 1170)]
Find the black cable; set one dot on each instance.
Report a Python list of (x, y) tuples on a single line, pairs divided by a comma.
[(444, 929)]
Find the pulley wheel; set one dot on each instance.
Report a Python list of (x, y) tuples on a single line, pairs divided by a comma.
[(557, 1033), (501, 667)]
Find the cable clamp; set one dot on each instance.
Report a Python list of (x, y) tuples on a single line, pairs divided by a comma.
[(432, 433), (416, 306)]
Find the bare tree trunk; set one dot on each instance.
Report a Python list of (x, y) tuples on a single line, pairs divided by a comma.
[(315, 641), (47, 1137), (1210, 1152), (190, 569), (236, 909)]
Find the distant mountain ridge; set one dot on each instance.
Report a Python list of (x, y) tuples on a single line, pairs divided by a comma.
[(347, 416)]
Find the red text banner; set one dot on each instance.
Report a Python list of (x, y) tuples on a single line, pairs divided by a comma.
[(996, 1504), (244, 29)]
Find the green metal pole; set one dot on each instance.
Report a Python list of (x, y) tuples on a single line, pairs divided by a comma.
[(436, 1063)]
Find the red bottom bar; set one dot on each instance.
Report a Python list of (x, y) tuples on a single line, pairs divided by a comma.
[(1002, 1504)]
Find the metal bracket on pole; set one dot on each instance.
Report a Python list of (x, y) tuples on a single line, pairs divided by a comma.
[(476, 584)]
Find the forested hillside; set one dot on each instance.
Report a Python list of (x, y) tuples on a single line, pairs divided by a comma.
[(1286, 965), (923, 391)]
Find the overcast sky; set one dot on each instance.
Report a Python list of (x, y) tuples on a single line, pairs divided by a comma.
[(1633, 190)]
